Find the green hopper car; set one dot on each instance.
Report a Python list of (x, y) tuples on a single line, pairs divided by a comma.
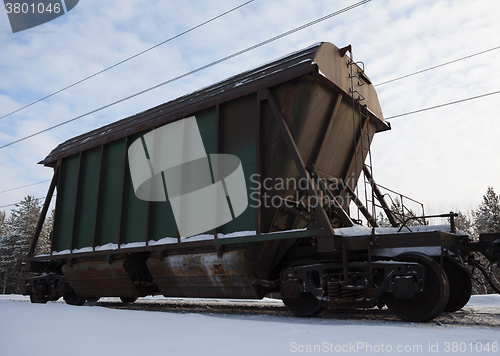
[(241, 189)]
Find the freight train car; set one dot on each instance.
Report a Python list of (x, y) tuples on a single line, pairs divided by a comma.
[(244, 188)]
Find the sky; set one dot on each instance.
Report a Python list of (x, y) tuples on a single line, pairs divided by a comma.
[(445, 158)]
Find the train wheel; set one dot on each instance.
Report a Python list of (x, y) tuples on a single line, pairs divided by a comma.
[(92, 301), (460, 285), (127, 300), (429, 303), (72, 298), (306, 305), (34, 299), (39, 292)]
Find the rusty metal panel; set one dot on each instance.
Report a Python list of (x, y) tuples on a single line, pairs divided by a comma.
[(205, 275), (101, 278), (336, 69), (340, 142)]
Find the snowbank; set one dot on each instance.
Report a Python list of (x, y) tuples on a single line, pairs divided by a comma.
[(57, 329)]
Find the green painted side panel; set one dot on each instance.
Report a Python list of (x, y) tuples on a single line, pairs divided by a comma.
[(207, 123), (135, 214), (111, 193), (239, 138), (246, 221), (162, 223), (239, 129), (67, 194), (89, 189)]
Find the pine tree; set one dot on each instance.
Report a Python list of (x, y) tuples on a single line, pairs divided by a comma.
[(3, 271), (382, 220), (2, 222), (18, 231), (44, 240), (487, 216), (487, 220), (464, 223)]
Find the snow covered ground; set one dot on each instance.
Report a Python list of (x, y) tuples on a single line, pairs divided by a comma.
[(60, 329)]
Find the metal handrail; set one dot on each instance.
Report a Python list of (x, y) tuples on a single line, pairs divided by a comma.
[(451, 215)]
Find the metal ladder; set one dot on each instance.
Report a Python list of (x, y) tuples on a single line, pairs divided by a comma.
[(362, 138)]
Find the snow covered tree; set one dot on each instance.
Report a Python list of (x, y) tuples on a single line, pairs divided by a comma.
[(382, 220), (487, 216), (486, 220), (3, 232), (43, 245), (464, 223), (2, 222)]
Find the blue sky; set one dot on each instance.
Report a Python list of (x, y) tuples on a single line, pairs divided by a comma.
[(445, 158)]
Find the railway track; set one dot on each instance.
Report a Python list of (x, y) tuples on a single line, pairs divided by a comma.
[(468, 316)]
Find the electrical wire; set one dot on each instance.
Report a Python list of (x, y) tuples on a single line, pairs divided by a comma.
[(196, 70), (437, 66), (129, 58), (441, 105), (42, 198), (24, 186)]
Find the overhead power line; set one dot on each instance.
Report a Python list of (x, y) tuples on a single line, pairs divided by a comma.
[(42, 198), (195, 70), (441, 105), (437, 66), (24, 186), (129, 58)]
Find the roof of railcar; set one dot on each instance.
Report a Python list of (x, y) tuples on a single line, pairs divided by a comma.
[(291, 66)]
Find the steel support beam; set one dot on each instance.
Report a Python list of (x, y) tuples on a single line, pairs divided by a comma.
[(45, 209), (380, 198)]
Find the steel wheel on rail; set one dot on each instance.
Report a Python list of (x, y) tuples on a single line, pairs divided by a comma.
[(460, 285), (306, 305), (35, 299), (127, 300), (72, 298), (429, 303)]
